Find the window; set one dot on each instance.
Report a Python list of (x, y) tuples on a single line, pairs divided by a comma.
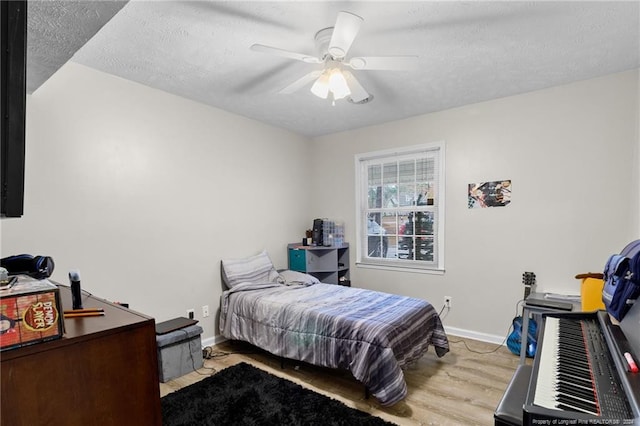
[(400, 208)]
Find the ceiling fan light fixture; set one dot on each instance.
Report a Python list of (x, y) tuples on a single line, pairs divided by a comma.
[(338, 84), (321, 86)]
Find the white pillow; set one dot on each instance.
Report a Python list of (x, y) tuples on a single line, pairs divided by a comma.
[(253, 269), (295, 277)]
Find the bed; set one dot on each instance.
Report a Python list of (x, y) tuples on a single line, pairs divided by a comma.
[(292, 315)]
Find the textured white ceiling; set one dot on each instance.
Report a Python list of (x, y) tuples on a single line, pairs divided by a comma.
[(57, 29), (468, 51)]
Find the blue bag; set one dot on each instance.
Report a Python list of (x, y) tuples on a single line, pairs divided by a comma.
[(621, 284)]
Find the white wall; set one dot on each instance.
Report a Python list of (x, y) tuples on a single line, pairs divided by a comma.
[(571, 152), (145, 192), (636, 170)]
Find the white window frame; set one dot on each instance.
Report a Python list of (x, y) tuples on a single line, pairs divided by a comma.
[(361, 163)]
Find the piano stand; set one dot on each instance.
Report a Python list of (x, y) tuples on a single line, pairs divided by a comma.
[(509, 411)]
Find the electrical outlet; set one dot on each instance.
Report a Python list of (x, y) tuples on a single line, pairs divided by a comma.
[(190, 313), (447, 301), (205, 311)]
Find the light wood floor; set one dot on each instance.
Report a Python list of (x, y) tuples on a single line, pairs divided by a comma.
[(461, 388)]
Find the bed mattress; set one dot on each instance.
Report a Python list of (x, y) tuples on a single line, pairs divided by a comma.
[(371, 334)]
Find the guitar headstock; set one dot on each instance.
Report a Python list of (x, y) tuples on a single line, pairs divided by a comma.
[(529, 280)]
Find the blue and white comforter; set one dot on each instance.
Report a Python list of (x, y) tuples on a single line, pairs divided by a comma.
[(371, 334)]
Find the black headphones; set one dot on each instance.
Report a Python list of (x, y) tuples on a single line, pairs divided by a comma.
[(38, 267)]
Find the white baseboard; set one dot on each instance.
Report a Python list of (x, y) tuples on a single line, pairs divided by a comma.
[(212, 341), (483, 337)]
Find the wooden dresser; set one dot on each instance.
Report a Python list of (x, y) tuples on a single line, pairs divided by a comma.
[(103, 371)]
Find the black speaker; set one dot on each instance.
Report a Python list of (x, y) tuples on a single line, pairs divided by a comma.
[(316, 237), (13, 72)]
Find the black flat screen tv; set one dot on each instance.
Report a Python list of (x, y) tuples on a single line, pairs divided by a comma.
[(13, 39)]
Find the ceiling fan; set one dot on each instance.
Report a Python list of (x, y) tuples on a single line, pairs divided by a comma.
[(333, 45)]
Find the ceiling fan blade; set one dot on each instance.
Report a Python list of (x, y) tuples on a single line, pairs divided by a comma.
[(344, 32), (391, 63), (285, 53), (301, 82), (358, 93)]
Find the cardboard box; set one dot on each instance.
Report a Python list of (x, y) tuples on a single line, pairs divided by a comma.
[(30, 313)]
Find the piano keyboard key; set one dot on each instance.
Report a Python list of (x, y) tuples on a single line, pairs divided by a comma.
[(575, 375), (565, 381)]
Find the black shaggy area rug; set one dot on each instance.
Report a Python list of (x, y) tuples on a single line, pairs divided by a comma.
[(245, 395)]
